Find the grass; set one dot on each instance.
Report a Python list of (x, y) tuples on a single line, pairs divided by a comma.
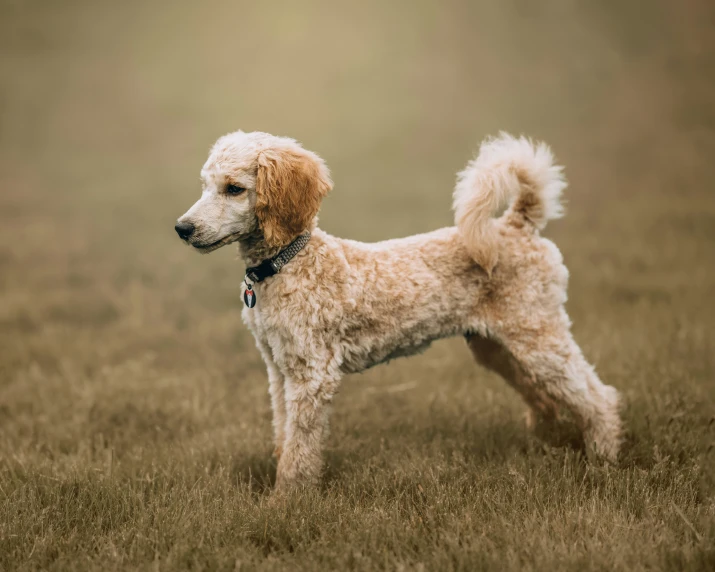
[(134, 414)]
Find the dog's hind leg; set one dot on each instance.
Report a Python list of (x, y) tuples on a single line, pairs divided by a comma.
[(495, 357), (552, 362)]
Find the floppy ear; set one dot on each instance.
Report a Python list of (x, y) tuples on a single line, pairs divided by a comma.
[(290, 184)]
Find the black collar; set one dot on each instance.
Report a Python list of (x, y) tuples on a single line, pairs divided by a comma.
[(272, 266)]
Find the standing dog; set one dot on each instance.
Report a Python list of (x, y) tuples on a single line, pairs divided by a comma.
[(321, 306)]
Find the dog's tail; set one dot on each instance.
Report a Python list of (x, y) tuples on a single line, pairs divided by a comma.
[(509, 173)]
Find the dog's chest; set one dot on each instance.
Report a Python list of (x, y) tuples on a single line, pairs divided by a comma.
[(255, 321), (266, 321)]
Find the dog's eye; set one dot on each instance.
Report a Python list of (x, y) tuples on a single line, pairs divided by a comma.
[(234, 190)]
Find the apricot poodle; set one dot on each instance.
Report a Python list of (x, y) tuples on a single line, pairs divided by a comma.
[(321, 306)]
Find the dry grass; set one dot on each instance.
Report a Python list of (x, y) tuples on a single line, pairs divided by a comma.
[(134, 416)]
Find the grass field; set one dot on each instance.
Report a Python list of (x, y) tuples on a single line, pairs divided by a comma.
[(134, 413)]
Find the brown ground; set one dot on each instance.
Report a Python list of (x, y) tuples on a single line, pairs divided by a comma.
[(134, 416)]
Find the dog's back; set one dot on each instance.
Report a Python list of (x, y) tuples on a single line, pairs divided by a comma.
[(404, 293)]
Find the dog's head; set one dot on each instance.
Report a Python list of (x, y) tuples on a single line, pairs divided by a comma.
[(255, 182)]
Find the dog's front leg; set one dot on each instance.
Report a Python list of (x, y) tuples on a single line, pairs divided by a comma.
[(276, 389), (276, 383), (308, 401)]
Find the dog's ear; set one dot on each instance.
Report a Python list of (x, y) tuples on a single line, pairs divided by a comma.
[(290, 184)]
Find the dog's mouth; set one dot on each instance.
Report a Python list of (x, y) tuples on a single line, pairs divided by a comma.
[(206, 248)]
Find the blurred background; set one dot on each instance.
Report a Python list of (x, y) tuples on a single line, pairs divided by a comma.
[(109, 109), (113, 332)]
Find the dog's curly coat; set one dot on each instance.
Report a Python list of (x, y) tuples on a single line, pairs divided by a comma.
[(342, 306)]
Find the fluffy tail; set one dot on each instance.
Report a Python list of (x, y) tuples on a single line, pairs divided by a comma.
[(512, 173)]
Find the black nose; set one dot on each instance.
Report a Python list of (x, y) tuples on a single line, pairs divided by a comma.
[(184, 229)]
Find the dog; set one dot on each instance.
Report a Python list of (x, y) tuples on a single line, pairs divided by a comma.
[(321, 307)]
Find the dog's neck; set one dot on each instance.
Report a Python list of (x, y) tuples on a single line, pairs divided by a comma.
[(253, 249)]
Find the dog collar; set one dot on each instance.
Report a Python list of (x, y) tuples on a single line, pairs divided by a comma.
[(270, 267)]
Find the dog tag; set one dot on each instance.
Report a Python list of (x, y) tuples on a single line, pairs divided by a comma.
[(249, 296)]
